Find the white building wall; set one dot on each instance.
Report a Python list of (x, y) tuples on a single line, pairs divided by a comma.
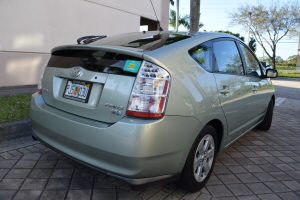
[(31, 28)]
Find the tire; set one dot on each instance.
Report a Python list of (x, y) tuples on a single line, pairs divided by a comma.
[(200, 161), (267, 122)]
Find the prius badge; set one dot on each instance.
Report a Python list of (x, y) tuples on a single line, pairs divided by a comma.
[(76, 71), (116, 110)]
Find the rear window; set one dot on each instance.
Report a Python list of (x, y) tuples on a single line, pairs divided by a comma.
[(92, 60)]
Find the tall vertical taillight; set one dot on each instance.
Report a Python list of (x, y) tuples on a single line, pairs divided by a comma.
[(150, 92)]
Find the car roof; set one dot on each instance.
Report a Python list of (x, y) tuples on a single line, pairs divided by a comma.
[(152, 40)]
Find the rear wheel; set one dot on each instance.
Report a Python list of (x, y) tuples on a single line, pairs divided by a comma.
[(200, 161), (267, 122)]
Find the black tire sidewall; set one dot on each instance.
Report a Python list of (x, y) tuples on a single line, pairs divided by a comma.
[(188, 180), (267, 122)]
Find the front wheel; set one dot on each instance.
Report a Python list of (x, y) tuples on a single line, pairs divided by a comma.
[(267, 122), (200, 161)]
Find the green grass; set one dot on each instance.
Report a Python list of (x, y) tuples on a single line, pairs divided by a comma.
[(14, 108), (281, 67), (291, 74)]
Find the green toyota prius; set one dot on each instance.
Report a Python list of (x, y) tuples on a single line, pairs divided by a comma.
[(150, 106)]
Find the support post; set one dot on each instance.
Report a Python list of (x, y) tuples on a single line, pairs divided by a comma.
[(298, 57)]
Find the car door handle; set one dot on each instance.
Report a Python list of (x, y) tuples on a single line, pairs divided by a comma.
[(224, 90)]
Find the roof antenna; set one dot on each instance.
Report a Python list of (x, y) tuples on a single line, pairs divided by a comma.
[(160, 29)]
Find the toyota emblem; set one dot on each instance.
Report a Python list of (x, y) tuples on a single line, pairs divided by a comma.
[(76, 71)]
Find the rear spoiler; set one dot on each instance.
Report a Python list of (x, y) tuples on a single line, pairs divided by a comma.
[(89, 39)]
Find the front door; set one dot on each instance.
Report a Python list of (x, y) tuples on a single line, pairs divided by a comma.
[(261, 87)]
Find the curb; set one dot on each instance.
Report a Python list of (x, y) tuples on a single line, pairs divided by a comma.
[(13, 90), (15, 130), (286, 78)]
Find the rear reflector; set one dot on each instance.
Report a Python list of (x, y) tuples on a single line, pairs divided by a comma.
[(145, 115), (150, 92)]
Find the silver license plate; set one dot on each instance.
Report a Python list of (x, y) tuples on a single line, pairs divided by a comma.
[(78, 90)]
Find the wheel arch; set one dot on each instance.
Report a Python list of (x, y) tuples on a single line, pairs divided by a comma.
[(187, 171), (273, 99), (218, 126)]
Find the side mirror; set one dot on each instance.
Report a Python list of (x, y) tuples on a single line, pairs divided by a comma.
[(271, 73)]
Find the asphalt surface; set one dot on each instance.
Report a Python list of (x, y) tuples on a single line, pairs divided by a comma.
[(287, 88), (260, 165)]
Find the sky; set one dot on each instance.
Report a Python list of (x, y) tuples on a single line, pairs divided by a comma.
[(214, 16)]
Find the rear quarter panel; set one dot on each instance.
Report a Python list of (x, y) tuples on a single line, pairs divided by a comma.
[(193, 90)]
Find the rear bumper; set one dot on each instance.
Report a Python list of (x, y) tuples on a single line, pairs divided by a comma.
[(135, 150), (131, 181)]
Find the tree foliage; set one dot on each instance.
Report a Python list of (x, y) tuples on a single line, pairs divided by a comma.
[(278, 59), (252, 43), (269, 23), (292, 59), (265, 59), (185, 20), (172, 2)]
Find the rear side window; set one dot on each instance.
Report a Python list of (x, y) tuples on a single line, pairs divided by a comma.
[(252, 64), (202, 54), (92, 60), (227, 58)]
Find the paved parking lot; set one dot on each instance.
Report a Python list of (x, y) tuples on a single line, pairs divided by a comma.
[(260, 165)]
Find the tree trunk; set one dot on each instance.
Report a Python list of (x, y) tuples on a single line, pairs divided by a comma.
[(274, 57), (177, 15), (273, 63), (194, 15)]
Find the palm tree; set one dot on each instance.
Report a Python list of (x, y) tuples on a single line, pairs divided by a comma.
[(185, 20), (195, 15)]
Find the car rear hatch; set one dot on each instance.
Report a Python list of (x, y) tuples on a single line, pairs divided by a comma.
[(90, 81)]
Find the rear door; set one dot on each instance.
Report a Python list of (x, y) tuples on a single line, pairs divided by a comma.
[(92, 83), (233, 86)]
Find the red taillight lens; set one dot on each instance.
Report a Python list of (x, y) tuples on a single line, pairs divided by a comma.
[(150, 92), (145, 115)]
